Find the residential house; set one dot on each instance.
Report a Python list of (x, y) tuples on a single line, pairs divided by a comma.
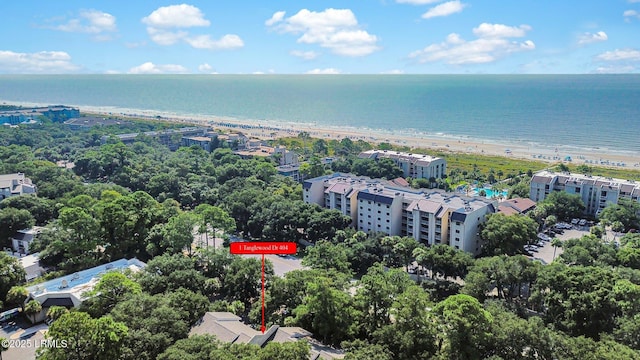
[(227, 327), (15, 184)]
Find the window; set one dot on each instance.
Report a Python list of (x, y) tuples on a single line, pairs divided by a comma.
[(387, 214), (387, 206), (378, 211), (457, 239), (360, 220), (387, 220), (457, 231)]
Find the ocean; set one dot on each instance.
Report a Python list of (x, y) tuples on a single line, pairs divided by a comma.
[(590, 112)]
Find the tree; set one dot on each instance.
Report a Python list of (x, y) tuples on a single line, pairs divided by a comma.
[(177, 234), (32, 308), (17, 295), (463, 327), (171, 272), (215, 218), (556, 243), (85, 338), (375, 296), (4, 346), (55, 312), (577, 299), (564, 205), (112, 288), (11, 274), (327, 256), (40, 208), (12, 220), (327, 311), (413, 333), (626, 212), (589, 251), (196, 347), (507, 234)]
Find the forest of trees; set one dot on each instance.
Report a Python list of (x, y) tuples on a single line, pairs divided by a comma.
[(142, 200)]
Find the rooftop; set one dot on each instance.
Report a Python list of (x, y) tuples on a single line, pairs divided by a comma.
[(77, 282), (546, 177)]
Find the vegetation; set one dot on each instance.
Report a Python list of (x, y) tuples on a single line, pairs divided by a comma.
[(142, 200)]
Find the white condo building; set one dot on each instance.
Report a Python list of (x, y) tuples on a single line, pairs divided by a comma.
[(596, 191), (417, 166), (430, 216), (15, 184)]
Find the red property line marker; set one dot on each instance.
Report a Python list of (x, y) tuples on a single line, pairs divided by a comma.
[(272, 247), (262, 328)]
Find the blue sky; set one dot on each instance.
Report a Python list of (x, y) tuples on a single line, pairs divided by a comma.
[(302, 36)]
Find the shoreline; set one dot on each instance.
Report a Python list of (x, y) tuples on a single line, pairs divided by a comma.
[(271, 130)]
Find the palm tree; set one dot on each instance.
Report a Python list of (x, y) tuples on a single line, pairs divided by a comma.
[(556, 243), (33, 307)]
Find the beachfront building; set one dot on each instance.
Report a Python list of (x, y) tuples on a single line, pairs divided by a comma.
[(166, 137), (203, 142), (596, 191), (56, 113), (430, 216), (15, 184), (69, 290), (416, 166)]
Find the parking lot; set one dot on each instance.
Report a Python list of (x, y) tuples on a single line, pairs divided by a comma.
[(545, 253)]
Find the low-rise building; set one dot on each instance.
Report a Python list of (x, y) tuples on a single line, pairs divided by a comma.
[(417, 166), (430, 216), (21, 240), (31, 265), (227, 327), (292, 171), (201, 141), (516, 206), (15, 184), (56, 113), (595, 191), (69, 291)]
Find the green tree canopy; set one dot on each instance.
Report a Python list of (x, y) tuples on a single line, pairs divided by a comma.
[(507, 234)]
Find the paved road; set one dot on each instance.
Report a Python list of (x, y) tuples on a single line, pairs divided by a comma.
[(282, 265)]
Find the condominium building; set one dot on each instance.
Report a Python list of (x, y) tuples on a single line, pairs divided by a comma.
[(596, 191), (430, 216), (413, 165), (15, 184)]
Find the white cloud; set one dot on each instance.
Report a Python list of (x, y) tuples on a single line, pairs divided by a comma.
[(393, 72), (327, 71), (624, 69), (491, 45), (444, 9), (334, 29), (306, 55), (632, 55), (165, 27), (176, 16), (151, 68), (164, 37), (486, 30), (90, 22), (228, 41), (43, 62), (629, 14), (588, 38), (417, 2), (276, 18), (205, 67)]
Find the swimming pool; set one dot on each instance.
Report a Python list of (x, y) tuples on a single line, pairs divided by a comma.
[(490, 193)]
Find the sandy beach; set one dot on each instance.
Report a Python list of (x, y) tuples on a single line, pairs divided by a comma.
[(272, 130)]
